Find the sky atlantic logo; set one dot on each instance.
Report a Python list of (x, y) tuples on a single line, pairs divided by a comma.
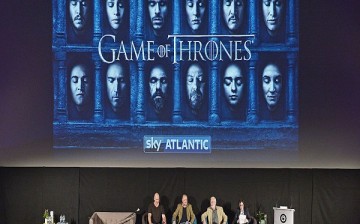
[(180, 48), (177, 144)]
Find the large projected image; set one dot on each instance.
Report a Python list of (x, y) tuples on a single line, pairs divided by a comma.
[(176, 76)]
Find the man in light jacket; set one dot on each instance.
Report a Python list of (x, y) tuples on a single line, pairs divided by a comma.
[(184, 212), (214, 214)]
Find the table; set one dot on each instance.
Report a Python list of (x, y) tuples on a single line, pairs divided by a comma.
[(113, 218)]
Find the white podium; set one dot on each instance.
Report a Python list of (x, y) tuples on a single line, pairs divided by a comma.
[(283, 215)]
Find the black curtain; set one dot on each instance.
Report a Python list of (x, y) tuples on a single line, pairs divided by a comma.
[(336, 196), (318, 196), (27, 192)]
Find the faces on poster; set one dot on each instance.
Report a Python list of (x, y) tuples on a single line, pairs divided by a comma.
[(233, 84), (79, 11), (272, 11), (195, 87), (272, 82), (80, 86), (158, 10), (158, 86), (195, 12), (115, 10), (116, 86), (233, 14), (233, 78)]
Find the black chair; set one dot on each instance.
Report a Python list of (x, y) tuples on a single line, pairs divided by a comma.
[(144, 218)]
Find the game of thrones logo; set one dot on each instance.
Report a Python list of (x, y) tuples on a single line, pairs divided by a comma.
[(194, 48)]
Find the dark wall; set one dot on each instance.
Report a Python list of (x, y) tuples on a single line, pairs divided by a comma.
[(336, 196), (78, 192), (26, 192)]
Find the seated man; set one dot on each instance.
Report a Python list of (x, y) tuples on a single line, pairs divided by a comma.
[(183, 212), (214, 214), (156, 213)]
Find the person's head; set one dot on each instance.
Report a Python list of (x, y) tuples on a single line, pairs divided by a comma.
[(233, 84), (241, 205), (79, 14), (184, 200), (158, 83), (273, 11), (195, 86), (115, 10), (233, 13), (156, 198), (116, 85), (272, 85), (158, 10), (80, 86), (195, 11), (212, 202)]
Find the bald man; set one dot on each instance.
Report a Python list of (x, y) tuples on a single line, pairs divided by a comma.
[(156, 213), (116, 85)]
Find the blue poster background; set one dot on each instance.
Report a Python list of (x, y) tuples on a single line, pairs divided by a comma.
[(252, 126)]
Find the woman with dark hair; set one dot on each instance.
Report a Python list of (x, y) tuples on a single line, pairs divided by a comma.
[(242, 215)]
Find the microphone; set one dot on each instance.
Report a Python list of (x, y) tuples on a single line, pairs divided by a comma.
[(127, 217)]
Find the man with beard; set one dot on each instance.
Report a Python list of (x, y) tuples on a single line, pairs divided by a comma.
[(195, 87), (233, 14), (79, 11), (184, 212), (158, 10), (158, 83)]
